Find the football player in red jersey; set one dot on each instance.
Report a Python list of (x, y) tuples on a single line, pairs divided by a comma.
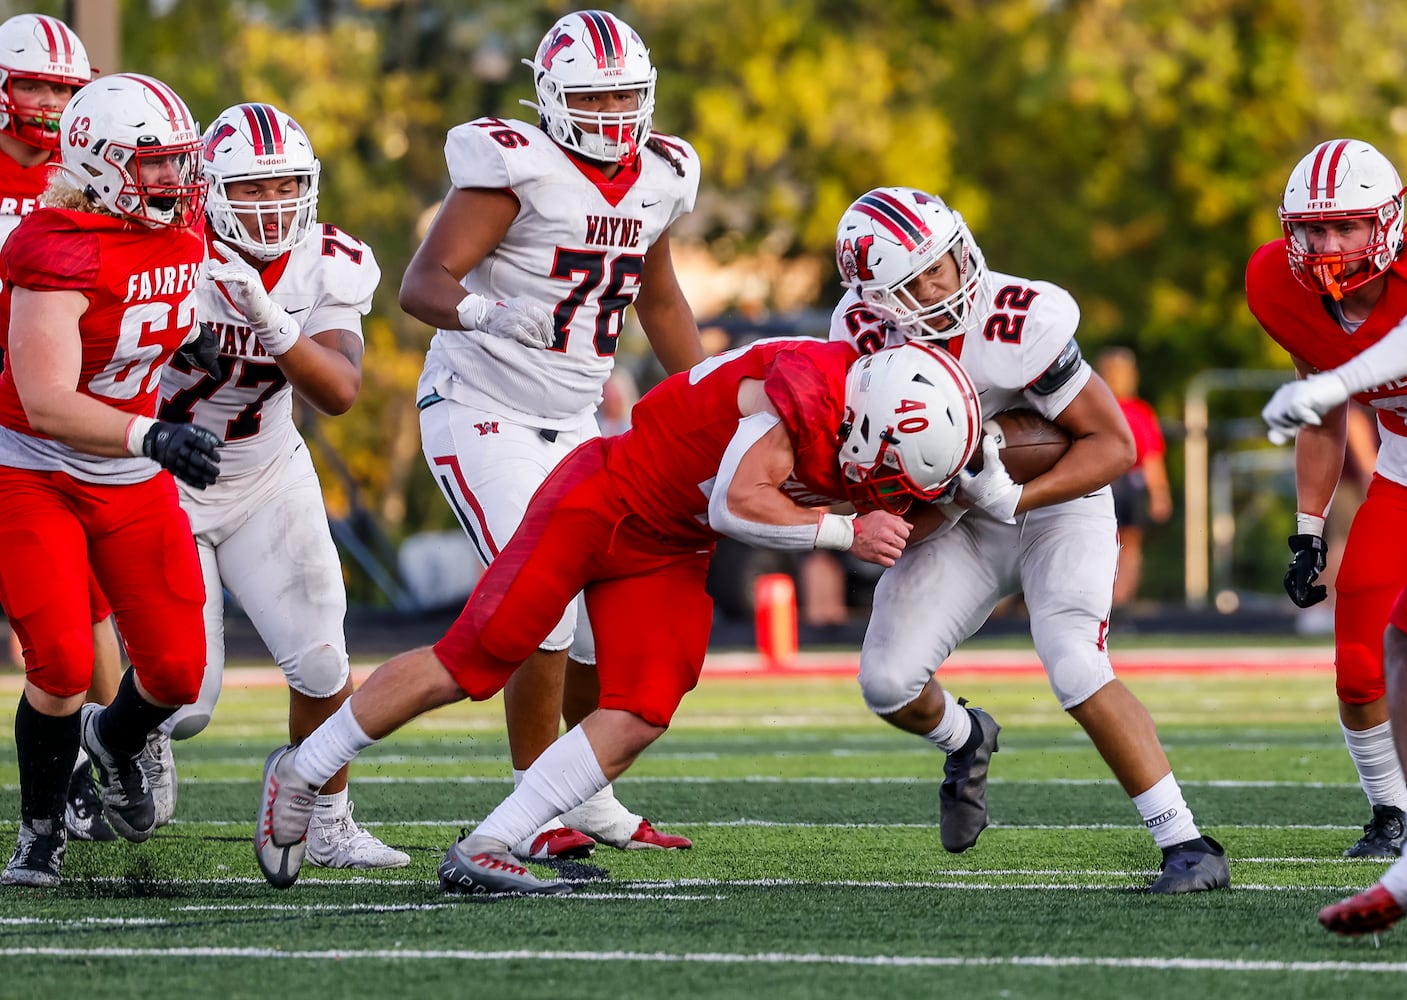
[(99, 293), (1329, 292), (744, 444), (552, 229)]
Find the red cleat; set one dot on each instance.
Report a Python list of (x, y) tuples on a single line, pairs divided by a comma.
[(647, 838), (561, 842), (1368, 912)]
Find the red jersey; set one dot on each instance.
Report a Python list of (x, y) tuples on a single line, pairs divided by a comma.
[(20, 188), (1147, 433), (681, 428), (140, 286)]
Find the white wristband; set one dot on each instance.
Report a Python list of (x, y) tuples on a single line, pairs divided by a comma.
[(835, 531), (472, 311), (137, 433), (281, 333), (1309, 524)]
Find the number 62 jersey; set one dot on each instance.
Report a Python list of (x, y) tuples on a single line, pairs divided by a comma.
[(325, 283)]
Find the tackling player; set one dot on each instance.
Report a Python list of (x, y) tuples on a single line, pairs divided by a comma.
[(914, 272), (745, 444), (549, 233), (99, 293), (284, 295)]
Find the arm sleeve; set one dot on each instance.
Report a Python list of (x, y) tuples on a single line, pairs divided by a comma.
[(1385, 361), (789, 537)]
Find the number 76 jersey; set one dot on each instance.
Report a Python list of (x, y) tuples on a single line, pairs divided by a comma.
[(325, 283)]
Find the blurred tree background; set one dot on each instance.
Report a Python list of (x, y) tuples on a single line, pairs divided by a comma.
[(1133, 151)]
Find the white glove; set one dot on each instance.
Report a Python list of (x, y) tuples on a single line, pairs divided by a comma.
[(992, 489), (517, 319), (1303, 401), (277, 331)]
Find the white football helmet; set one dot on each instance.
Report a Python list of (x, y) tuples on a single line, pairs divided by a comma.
[(912, 421), (890, 236), (1342, 179), (35, 47), (256, 142), (590, 52), (132, 146)]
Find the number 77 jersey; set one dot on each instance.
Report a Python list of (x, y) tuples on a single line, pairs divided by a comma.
[(325, 283), (1024, 353)]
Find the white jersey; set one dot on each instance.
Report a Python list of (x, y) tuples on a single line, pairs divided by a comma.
[(1028, 333), (325, 283), (577, 248)]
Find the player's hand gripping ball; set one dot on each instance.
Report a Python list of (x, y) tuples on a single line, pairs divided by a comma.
[(1028, 443)]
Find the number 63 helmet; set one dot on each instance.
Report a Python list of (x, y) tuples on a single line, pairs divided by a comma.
[(912, 421)]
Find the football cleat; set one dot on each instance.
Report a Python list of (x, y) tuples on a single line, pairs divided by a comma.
[(1370, 911), (647, 838), (39, 855), (1196, 866), (480, 866), (962, 798), (83, 807), (340, 843), (160, 767), (281, 828), (559, 843), (127, 801), (1382, 835)]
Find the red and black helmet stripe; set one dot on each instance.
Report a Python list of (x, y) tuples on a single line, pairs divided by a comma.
[(902, 222), (58, 37), (1334, 151), (264, 129), (606, 42)]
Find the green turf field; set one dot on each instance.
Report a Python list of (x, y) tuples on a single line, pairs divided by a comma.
[(817, 870)]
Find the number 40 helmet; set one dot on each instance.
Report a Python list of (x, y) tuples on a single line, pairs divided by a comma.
[(257, 142), (1342, 179), (887, 238), (593, 52), (131, 145), (35, 47), (912, 421)]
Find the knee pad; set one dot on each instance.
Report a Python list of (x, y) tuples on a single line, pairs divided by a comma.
[(189, 720), (887, 689), (1076, 670), (584, 641), (62, 663), (319, 672), (1358, 674)]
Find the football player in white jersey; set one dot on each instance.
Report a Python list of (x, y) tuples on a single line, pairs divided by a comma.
[(283, 296), (914, 272), (549, 232)]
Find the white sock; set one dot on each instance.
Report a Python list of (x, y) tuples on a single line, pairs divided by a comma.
[(954, 729), (331, 747), (1165, 813), (551, 824), (566, 775), (1395, 880), (1379, 771), (332, 806)]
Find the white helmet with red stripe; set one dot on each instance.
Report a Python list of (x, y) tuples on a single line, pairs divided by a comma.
[(36, 47), (888, 237), (254, 143), (132, 146), (912, 421), (593, 52), (1342, 180)]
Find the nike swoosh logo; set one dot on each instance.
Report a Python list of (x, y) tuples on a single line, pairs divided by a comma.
[(293, 312), (648, 204)]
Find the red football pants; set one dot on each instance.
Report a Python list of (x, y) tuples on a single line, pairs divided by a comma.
[(645, 596), (1371, 576), (57, 534)]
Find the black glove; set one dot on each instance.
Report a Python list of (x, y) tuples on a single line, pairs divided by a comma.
[(188, 452), (204, 352), (1306, 560)]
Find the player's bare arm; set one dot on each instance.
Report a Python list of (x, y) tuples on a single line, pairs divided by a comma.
[(326, 369), (470, 224), (664, 313), (1101, 449), (1319, 454), (45, 359)]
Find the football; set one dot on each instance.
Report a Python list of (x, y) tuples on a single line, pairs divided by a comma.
[(1029, 444)]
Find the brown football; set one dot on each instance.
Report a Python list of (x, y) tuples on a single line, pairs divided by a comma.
[(1030, 444)]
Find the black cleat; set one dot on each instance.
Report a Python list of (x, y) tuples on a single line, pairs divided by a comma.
[(39, 854), (127, 801), (1196, 866), (83, 808), (1382, 835), (962, 798)]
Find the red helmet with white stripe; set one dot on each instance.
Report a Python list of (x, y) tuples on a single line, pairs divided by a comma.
[(36, 47), (888, 237), (132, 146), (593, 52), (255, 143), (1340, 181), (912, 421)]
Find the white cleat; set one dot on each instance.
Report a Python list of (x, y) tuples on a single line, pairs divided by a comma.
[(281, 828), (159, 765), (340, 843), (479, 866)]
